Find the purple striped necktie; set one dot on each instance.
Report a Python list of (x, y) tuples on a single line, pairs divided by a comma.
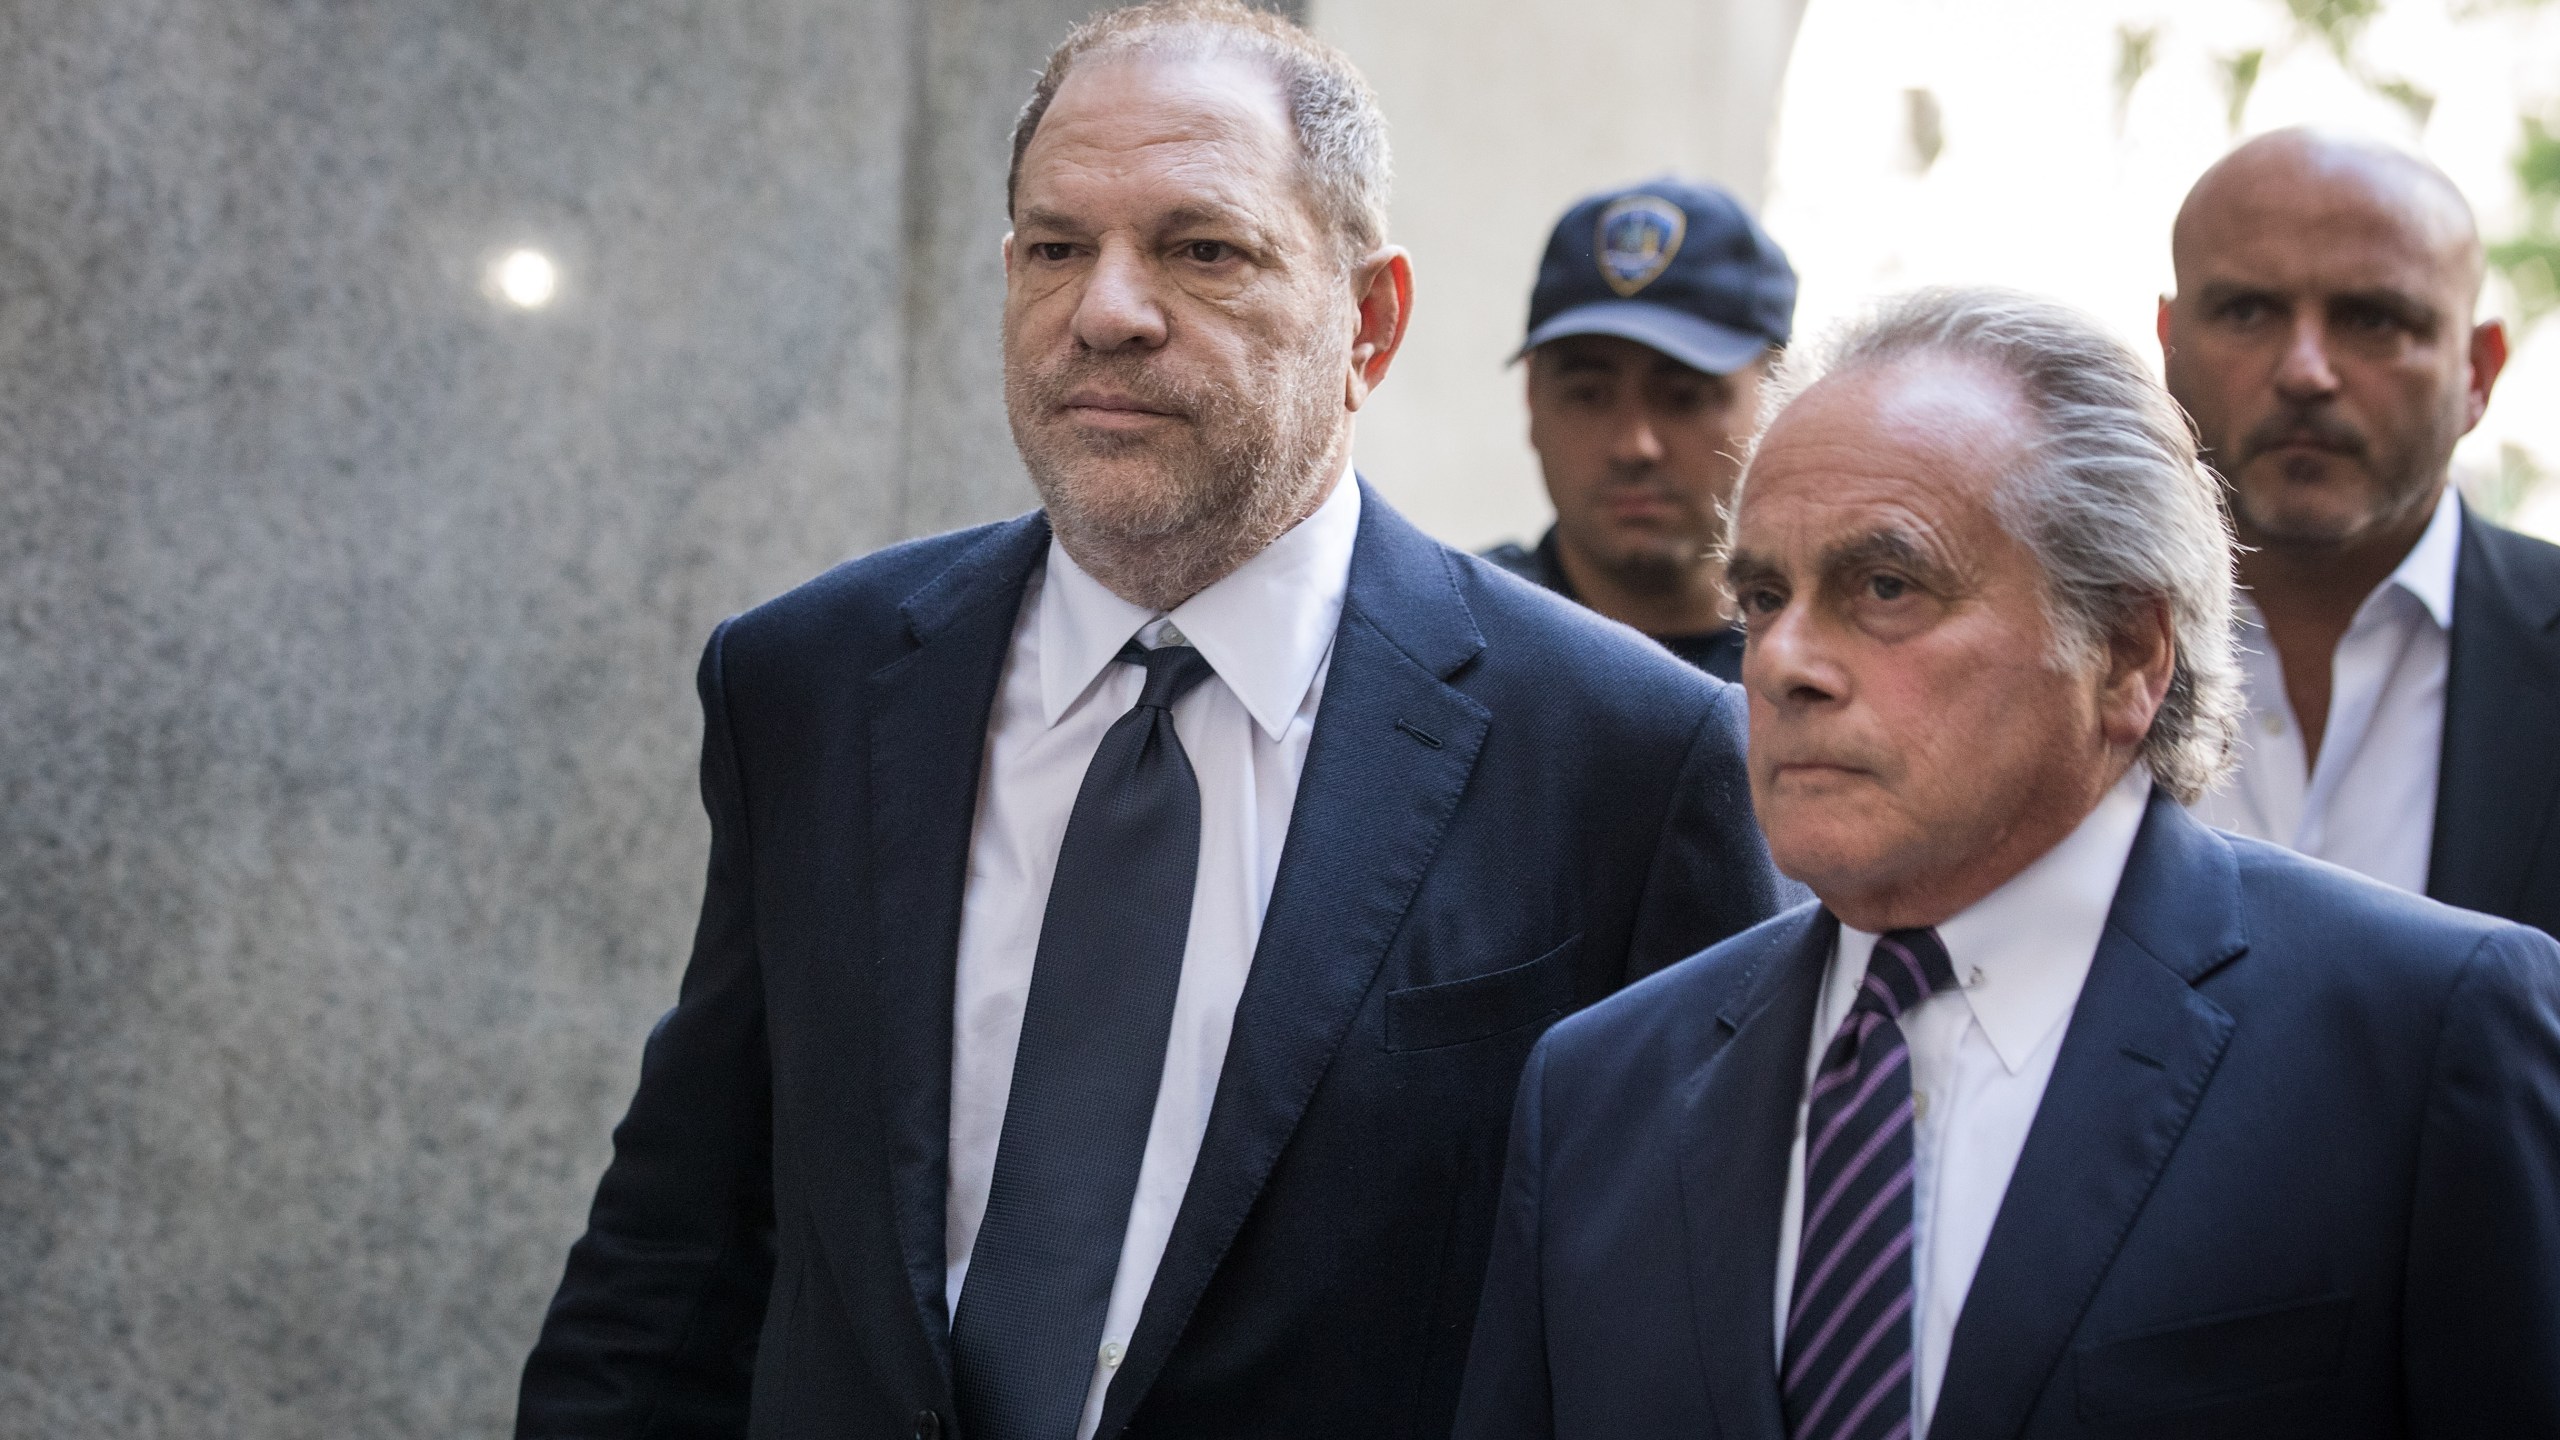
[(1847, 1371)]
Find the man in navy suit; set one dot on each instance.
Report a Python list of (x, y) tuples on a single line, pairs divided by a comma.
[(2401, 652), (1125, 924), (2060, 1114)]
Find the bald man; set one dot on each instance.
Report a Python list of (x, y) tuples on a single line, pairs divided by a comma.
[(2402, 653)]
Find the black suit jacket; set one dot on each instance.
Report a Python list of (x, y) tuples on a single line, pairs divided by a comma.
[(2297, 1172), (1509, 809), (2497, 846)]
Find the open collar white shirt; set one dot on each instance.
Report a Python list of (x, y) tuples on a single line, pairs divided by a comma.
[(1267, 630), (2370, 805), (1981, 1055)]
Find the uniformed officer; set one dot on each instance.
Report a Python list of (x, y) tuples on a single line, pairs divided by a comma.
[(1656, 314)]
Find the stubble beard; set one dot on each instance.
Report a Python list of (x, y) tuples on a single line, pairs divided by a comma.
[(2404, 482), (1159, 517)]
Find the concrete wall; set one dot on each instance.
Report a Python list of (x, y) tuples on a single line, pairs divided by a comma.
[(348, 618), (1503, 113)]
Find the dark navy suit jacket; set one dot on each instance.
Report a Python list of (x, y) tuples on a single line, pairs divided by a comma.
[(1509, 809), (2297, 1172), (2497, 822)]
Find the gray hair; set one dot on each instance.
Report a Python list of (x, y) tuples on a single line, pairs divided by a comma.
[(2113, 501), (1342, 139)]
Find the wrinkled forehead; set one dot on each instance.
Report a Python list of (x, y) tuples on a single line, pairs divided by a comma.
[(1174, 121), (1917, 445), (2327, 216)]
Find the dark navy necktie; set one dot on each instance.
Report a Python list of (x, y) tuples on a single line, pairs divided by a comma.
[(1847, 1370), (1025, 1338)]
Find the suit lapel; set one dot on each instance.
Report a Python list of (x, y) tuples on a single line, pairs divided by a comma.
[(928, 730), (2498, 772), (1734, 1147), (1372, 806), (2141, 1048)]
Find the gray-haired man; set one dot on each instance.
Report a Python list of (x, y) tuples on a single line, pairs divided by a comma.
[(2061, 1114)]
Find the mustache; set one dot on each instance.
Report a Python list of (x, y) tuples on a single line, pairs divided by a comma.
[(2316, 428), (1048, 386)]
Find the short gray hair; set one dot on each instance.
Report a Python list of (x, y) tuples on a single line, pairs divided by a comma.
[(2114, 503), (1342, 139)]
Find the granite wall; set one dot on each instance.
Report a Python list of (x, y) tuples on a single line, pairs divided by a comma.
[(348, 617)]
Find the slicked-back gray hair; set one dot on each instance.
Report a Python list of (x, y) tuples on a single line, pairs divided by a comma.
[(2113, 502), (1342, 139)]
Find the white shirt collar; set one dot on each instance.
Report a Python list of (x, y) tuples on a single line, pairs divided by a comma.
[(2426, 572), (2023, 951), (1265, 628)]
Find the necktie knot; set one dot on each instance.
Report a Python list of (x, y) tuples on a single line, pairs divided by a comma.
[(1173, 671), (1908, 966)]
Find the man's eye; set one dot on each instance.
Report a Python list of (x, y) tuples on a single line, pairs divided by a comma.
[(2246, 310), (1887, 587), (1759, 601), (1053, 251), (1208, 252)]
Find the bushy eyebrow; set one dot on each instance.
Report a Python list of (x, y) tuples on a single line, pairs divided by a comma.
[(1182, 217), (2404, 308), (1037, 218), (1889, 547), (1744, 567)]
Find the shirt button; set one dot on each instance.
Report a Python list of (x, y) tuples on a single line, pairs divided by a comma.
[(1171, 636), (2273, 722), (1920, 1104), (1112, 1350), (1973, 978)]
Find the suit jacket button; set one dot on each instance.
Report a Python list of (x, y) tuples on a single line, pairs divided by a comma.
[(928, 1425)]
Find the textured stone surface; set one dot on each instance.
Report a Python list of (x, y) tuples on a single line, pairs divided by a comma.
[(347, 625)]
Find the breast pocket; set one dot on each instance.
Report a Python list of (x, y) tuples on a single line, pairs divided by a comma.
[(2214, 1361), (1455, 1012)]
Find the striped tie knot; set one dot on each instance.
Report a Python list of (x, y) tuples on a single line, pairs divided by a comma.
[(1908, 966)]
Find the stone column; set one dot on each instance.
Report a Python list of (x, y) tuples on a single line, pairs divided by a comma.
[(348, 614)]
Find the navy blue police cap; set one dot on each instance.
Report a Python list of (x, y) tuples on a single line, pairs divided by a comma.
[(1667, 264)]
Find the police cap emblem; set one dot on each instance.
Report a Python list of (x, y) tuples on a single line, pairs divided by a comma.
[(1638, 236)]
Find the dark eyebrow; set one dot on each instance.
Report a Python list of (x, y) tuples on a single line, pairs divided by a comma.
[(1897, 548), (2223, 292), (1036, 218), (2408, 310), (1744, 567)]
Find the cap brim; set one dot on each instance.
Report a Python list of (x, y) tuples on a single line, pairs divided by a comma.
[(1698, 344)]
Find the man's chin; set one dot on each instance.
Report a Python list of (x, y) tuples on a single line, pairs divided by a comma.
[(1644, 560), (2311, 508), (1134, 497)]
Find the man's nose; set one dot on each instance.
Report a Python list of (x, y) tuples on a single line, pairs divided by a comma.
[(1119, 307), (1785, 662), (1635, 444), (2302, 371)]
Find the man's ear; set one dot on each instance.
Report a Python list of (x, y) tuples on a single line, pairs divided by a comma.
[(1006, 245), (2488, 357), (2161, 324), (1382, 288), (2141, 656)]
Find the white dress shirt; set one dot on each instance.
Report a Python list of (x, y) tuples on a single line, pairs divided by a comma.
[(1980, 1057), (1267, 630), (2370, 805)]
